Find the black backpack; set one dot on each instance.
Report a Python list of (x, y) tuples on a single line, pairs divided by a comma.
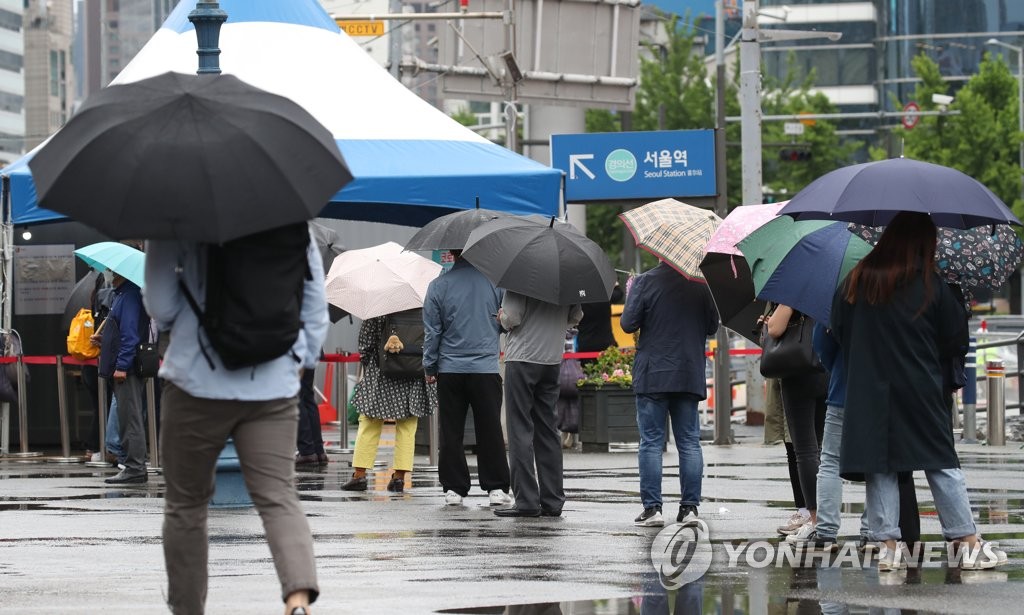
[(254, 287), (407, 326)]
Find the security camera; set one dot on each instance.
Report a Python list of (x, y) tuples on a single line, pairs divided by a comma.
[(942, 99)]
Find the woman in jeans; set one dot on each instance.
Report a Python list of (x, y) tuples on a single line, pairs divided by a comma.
[(803, 403), (898, 324)]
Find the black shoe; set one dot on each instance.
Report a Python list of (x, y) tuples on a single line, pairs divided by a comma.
[(305, 460), (650, 517), (396, 485), (121, 478), (687, 514), (517, 512), (546, 512), (355, 484), (322, 458), (816, 542)]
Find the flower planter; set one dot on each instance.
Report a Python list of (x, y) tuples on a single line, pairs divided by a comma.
[(607, 414)]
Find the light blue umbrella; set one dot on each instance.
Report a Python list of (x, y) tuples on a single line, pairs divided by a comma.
[(123, 260)]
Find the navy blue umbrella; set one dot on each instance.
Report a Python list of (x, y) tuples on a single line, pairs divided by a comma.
[(873, 192)]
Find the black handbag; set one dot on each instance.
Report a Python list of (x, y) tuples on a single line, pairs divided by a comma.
[(791, 354), (147, 355)]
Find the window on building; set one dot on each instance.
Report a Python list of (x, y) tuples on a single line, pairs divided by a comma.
[(11, 61), (10, 20), (11, 102), (54, 73)]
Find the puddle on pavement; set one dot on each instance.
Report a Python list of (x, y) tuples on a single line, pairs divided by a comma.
[(791, 591)]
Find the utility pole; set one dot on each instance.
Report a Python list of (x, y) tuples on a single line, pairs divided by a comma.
[(750, 103), (722, 376), (750, 92)]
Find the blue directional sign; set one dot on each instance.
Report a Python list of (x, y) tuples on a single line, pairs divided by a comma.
[(634, 165)]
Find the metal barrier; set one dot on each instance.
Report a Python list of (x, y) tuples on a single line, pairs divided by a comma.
[(23, 415), (65, 438), (969, 435)]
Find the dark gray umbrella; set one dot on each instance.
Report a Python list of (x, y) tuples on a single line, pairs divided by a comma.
[(873, 192), (551, 262), (327, 242), (200, 157), (80, 297), (450, 232)]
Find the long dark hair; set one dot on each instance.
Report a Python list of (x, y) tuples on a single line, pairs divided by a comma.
[(905, 250)]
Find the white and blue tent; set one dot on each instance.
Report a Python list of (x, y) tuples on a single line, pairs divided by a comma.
[(411, 162)]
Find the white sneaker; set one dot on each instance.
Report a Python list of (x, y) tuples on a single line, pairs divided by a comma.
[(793, 524), (891, 559), (802, 535), (452, 499), (986, 555), (499, 497)]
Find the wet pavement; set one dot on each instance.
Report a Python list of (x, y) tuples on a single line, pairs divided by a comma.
[(70, 544)]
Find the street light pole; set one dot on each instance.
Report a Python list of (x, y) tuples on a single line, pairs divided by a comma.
[(1020, 101)]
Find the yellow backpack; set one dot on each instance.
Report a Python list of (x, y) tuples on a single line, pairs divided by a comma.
[(81, 329)]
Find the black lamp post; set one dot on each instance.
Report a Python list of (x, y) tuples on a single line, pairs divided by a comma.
[(207, 18)]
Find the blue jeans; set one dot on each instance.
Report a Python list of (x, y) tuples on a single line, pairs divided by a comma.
[(113, 433), (652, 410), (830, 486), (949, 490)]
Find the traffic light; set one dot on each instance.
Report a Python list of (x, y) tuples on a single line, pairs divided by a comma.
[(795, 155)]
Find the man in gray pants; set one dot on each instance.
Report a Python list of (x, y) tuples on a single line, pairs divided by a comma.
[(119, 341), (533, 354)]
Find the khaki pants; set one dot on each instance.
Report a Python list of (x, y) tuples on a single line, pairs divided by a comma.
[(193, 433)]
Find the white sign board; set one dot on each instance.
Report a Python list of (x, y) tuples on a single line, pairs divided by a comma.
[(44, 277), (793, 128)]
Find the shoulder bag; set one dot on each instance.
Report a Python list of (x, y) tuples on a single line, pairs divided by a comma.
[(792, 354)]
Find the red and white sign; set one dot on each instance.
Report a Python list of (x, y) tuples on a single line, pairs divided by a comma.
[(909, 121)]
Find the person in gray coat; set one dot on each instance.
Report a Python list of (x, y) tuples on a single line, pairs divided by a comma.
[(675, 316), (533, 356)]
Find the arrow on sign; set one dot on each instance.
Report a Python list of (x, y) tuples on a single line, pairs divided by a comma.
[(575, 160)]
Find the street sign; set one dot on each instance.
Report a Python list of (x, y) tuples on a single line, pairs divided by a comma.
[(793, 128), (909, 121), (635, 165), (357, 27)]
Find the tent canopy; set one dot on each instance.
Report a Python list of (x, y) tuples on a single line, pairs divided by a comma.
[(411, 162)]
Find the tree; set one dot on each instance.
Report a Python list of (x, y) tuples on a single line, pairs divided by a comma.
[(825, 148), (465, 117), (982, 140)]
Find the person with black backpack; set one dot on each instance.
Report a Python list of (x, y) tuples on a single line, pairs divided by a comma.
[(392, 387), (245, 318)]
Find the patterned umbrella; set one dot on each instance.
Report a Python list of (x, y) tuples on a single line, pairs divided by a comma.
[(975, 258), (800, 264), (727, 272), (380, 280), (674, 232)]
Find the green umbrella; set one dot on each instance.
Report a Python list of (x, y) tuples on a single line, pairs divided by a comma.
[(800, 264)]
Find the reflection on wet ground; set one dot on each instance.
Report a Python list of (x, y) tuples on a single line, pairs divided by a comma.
[(426, 557)]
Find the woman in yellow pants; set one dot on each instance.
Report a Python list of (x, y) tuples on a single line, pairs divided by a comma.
[(379, 398)]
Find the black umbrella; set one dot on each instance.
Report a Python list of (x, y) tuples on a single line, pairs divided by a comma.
[(200, 157), (732, 286), (80, 297), (450, 232), (551, 262), (327, 242)]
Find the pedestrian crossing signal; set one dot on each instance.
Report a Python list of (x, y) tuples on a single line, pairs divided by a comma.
[(794, 155)]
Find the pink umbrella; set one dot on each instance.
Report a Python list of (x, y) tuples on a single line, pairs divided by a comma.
[(741, 222), (728, 274)]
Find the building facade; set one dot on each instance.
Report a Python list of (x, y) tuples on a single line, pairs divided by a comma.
[(869, 68), (12, 82)]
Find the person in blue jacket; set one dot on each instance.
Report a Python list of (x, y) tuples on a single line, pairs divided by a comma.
[(119, 341), (675, 316)]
